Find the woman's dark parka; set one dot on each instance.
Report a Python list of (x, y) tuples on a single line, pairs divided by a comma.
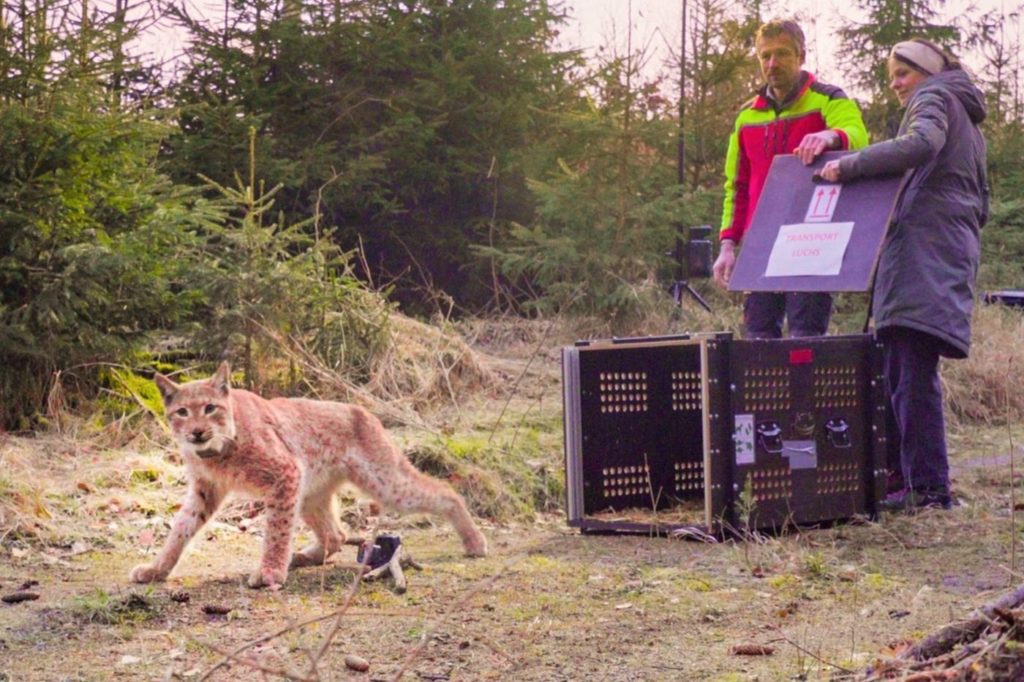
[(929, 259)]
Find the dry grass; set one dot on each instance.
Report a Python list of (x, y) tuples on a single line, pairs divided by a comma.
[(425, 364), (419, 369), (24, 511), (988, 387), (657, 315), (46, 478), (516, 337), (686, 512)]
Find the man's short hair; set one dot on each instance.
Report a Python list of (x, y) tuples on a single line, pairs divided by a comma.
[(784, 27)]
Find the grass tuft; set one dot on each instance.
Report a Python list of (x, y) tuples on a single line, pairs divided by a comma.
[(497, 482), (103, 608)]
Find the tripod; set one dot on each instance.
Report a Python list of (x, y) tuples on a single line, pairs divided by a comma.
[(681, 285), (693, 258)]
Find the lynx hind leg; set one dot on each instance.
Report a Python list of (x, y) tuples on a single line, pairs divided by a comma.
[(321, 515), (405, 489)]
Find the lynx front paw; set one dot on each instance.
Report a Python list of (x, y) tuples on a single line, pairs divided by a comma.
[(476, 546), (146, 573), (269, 578)]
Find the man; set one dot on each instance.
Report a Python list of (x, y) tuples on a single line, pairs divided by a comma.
[(792, 114)]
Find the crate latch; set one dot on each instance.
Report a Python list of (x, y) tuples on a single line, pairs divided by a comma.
[(838, 432), (769, 435)]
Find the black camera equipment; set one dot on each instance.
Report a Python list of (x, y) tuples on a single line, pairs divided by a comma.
[(380, 551), (692, 254), (1013, 298)]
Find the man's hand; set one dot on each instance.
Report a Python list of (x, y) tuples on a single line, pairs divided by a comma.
[(726, 261), (814, 144)]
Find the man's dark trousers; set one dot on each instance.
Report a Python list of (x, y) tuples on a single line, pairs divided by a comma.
[(764, 312)]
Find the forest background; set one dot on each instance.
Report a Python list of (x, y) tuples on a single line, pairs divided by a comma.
[(303, 169)]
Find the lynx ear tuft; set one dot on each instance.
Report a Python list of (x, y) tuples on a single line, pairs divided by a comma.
[(168, 389), (222, 379)]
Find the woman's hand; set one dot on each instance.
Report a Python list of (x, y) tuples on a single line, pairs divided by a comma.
[(831, 171)]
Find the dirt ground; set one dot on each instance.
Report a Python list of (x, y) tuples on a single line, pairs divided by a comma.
[(547, 604)]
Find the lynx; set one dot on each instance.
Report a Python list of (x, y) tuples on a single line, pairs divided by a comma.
[(293, 454)]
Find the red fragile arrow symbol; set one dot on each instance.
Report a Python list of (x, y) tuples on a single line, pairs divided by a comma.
[(817, 203), (831, 199)]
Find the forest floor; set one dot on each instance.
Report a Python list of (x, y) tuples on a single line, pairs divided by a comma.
[(547, 604)]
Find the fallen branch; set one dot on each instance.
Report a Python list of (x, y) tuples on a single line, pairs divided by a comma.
[(948, 637), (261, 667)]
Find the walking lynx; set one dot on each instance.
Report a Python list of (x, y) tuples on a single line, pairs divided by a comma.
[(293, 454)]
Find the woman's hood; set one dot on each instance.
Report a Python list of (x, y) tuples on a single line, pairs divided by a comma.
[(959, 83)]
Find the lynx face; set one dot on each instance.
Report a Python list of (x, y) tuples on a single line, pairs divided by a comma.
[(199, 413)]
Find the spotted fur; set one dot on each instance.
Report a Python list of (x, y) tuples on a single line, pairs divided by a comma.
[(292, 454)]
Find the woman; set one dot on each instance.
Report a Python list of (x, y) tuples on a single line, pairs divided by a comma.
[(924, 282)]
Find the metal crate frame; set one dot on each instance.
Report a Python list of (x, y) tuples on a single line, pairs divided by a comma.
[(662, 395)]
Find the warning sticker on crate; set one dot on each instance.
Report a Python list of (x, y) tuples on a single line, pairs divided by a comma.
[(743, 438), (802, 454)]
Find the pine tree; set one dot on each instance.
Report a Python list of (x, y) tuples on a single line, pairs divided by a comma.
[(404, 122), (865, 46), (721, 74), (88, 226)]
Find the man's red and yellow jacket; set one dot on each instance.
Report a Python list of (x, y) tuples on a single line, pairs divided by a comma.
[(765, 128)]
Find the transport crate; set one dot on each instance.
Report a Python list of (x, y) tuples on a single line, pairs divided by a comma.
[(705, 434)]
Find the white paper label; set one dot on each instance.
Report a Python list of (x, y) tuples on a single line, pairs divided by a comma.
[(743, 438), (809, 249)]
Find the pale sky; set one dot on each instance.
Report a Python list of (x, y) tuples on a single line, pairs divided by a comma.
[(656, 26), (656, 23)]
